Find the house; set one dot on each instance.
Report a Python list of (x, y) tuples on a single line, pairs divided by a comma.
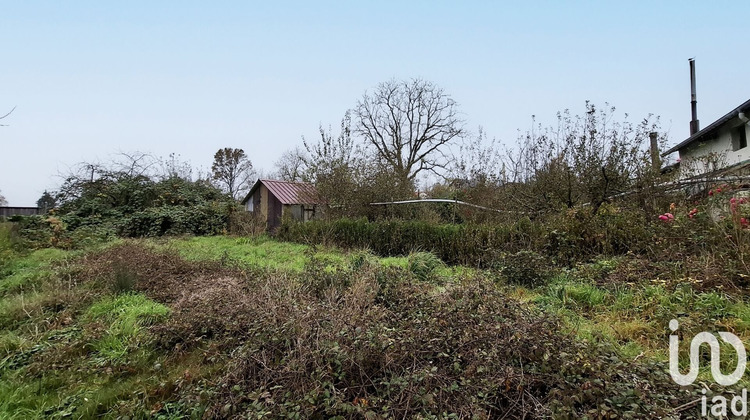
[(274, 200), (720, 148)]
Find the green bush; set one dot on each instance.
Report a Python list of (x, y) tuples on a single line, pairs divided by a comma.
[(565, 239), (6, 245), (423, 264), (453, 244), (524, 268), (130, 207), (361, 259)]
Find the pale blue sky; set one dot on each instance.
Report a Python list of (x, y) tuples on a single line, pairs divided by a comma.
[(90, 78)]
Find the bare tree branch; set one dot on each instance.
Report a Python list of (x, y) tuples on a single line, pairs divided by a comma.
[(233, 170), (409, 124), (291, 166), (9, 112)]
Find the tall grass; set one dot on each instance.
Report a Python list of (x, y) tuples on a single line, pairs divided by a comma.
[(423, 265), (124, 316), (262, 252)]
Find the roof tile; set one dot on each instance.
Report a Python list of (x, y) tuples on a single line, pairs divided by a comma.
[(292, 192)]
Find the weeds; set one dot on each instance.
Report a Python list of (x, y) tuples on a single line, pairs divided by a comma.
[(423, 265), (123, 278), (362, 259), (524, 268), (123, 318), (285, 330)]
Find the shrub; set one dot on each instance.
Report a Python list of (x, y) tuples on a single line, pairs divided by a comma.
[(244, 223), (361, 259), (320, 275), (423, 264), (565, 239), (525, 268), (6, 245), (465, 352), (120, 204), (124, 277)]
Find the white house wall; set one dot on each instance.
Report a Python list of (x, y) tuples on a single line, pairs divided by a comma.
[(720, 149)]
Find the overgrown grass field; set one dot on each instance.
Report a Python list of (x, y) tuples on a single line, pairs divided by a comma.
[(225, 326)]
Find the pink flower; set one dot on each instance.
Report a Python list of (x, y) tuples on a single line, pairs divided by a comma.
[(666, 217), (735, 203), (710, 192), (744, 222), (692, 213)]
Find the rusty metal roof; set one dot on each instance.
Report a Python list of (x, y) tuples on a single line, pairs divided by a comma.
[(288, 192)]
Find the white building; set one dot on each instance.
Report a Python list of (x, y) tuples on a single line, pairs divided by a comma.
[(720, 147)]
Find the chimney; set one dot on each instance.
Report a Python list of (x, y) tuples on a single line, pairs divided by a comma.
[(655, 161), (694, 123)]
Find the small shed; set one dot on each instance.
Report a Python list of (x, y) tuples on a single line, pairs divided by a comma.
[(273, 200), (19, 211)]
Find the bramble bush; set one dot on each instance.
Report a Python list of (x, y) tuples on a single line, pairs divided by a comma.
[(130, 207), (524, 268), (708, 239)]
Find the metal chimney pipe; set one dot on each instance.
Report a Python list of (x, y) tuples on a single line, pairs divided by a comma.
[(694, 123)]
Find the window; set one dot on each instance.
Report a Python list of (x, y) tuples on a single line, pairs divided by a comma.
[(739, 137), (309, 213), (743, 137)]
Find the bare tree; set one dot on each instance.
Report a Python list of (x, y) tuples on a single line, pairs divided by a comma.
[(332, 153), (585, 159), (134, 164), (3, 201), (478, 160), (233, 170), (291, 165), (174, 167), (409, 124)]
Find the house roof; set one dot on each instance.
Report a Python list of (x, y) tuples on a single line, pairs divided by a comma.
[(711, 129), (287, 192)]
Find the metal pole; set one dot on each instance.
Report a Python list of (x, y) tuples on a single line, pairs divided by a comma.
[(694, 123)]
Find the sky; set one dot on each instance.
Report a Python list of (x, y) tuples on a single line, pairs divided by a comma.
[(90, 79)]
